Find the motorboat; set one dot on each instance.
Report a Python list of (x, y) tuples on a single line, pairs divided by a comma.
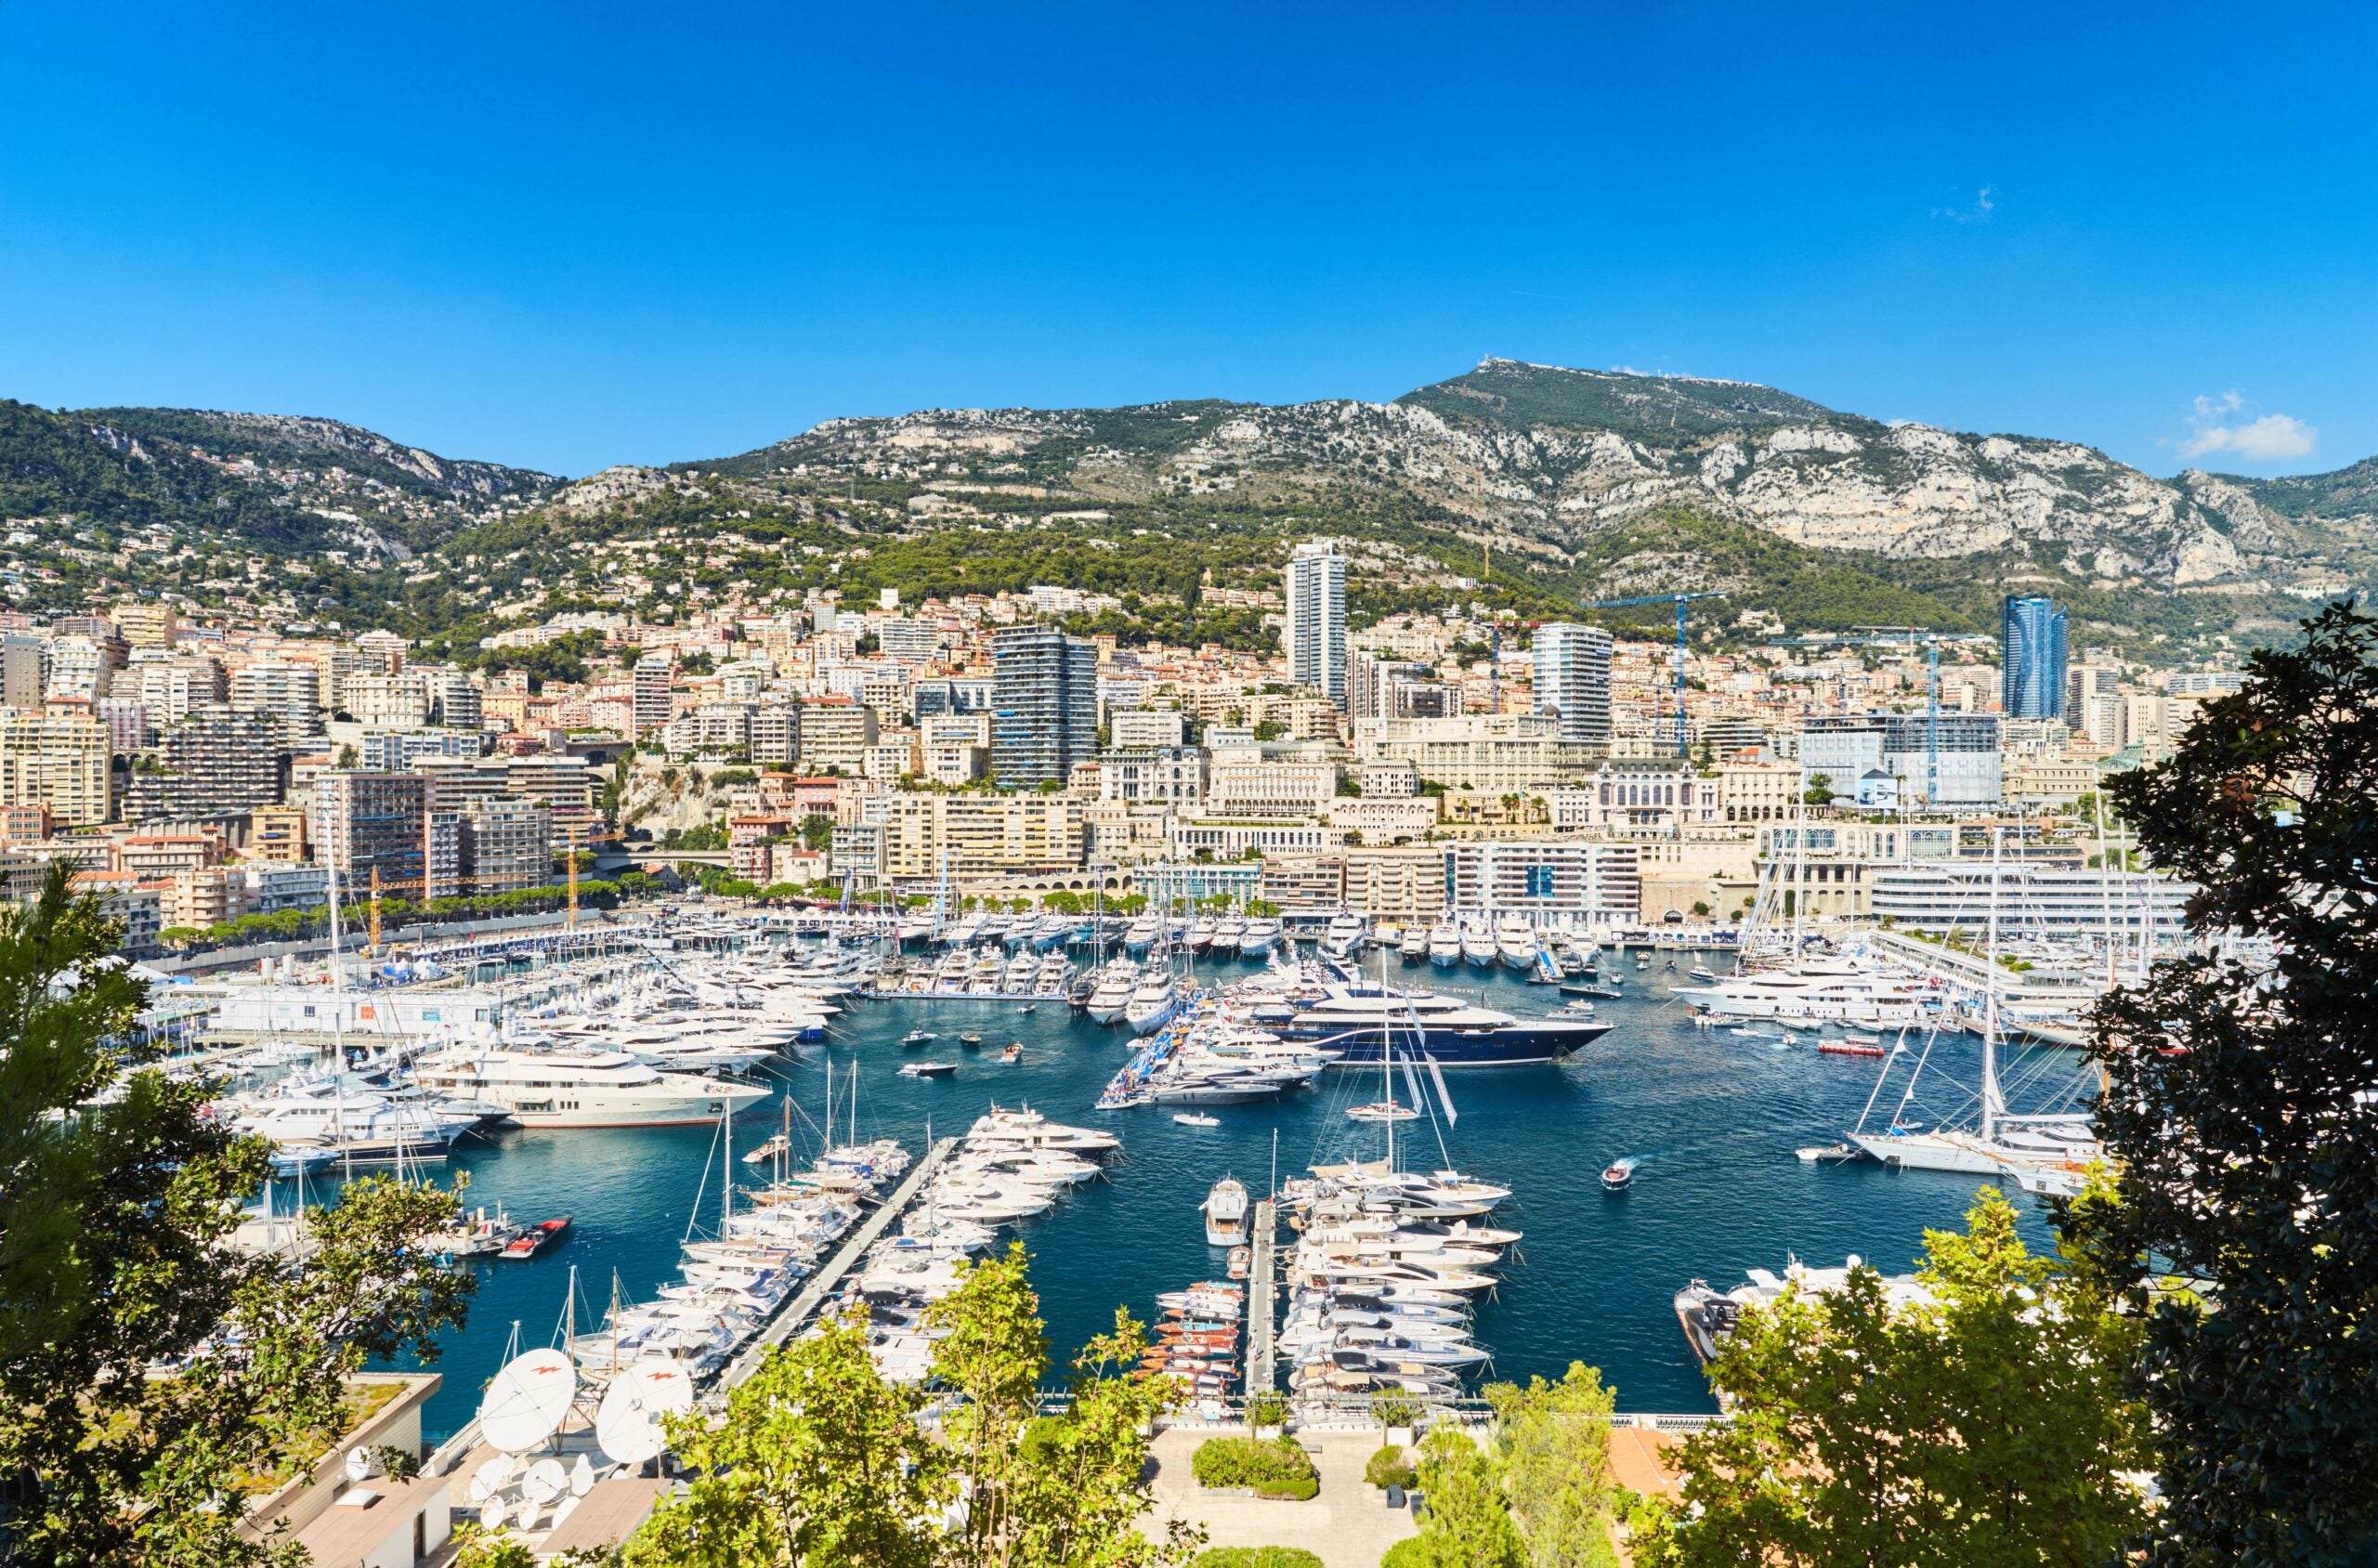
[(1478, 947), (580, 1088), (1225, 1211), (1113, 992), (1153, 1002), (1618, 1176), (1362, 1021), (1383, 1110), (1345, 935), (928, 1069), (1197, 1118)]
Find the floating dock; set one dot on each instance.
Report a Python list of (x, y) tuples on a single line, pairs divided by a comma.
[(803, 1303), (1261, 1274)]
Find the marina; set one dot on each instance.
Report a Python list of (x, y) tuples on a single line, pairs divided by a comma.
[(1708, 1123)]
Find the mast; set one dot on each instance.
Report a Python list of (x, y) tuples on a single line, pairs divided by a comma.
[(1990, 998)]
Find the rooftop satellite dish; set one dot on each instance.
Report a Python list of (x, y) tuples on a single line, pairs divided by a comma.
[(528, 1400), (545, 1480), (628, 1426), (492, 1514), (581, 1477)]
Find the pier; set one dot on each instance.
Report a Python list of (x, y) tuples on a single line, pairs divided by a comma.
[(1261, 1274), (810, 1297)]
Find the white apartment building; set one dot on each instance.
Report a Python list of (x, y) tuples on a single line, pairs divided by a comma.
[(1496, 753), (2032, 900), (1170, 776), (1316, 633), (1583, 880), (1241, 786), (1146, 729)]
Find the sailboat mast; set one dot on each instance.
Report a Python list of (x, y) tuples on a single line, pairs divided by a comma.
[(1990, 998)]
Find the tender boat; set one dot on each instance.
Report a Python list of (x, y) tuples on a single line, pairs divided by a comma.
[(1383, 1110), (928, 1069), (1012, 1056), (1196, 1118), (1618, 1176), (535, 1239), (916, 1038), (1225, 1210)]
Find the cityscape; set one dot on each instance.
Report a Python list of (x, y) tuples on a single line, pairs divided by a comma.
[(1009, 882)]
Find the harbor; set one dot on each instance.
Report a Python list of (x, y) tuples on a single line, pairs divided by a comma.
[(1709, 1120)]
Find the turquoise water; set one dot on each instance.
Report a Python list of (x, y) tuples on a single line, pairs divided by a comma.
[(1713, 1118)]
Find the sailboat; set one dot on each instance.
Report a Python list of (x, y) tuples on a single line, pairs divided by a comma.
[(2001, 1144)]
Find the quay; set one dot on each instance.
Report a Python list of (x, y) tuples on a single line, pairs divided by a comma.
[(1261, 1274), (803, 1305)]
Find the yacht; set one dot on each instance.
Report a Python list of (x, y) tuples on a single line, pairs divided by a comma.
[(1225, 1210), (1414, 947), (1835, 991), (1200, 936), (1142, 933), (580, 1088), (1478, 947), (1115, 984), (1515, 944), (1359, 1021), (1228, 931), (1257, 940), (1152, 1003), (1345, 935), (1445, 945)]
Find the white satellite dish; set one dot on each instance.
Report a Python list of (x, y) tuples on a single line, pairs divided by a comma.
[(527, 1401), (492, 1514), (629, 1424), (581, 1477), (545, 1480), (490, 1478)]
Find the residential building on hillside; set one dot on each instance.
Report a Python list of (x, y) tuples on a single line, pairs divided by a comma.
[(1572, 679), (973, 834), (1044, 705), (1315, 633), (216, 760), (2032, 658), (368, 822), (59, 762), (1584, 879)]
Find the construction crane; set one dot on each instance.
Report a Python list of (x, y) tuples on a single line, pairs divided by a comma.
[(1901, 637), (1679, 600)]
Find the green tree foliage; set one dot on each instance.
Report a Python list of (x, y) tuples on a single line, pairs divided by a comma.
[(2239, 1109), (1552, 1446), (819, 1463), (1467, 1522), (1049, 1492), (1256, 1556), (1275, 1466), (1988, 1429), (112, 1219)]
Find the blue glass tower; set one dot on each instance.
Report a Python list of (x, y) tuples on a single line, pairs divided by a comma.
[(2031, 659)]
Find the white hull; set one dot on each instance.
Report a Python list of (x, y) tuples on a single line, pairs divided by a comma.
[(1932, 1151)]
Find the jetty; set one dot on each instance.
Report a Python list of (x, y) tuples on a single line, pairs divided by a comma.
[(1261, 1274), (802, 1305)]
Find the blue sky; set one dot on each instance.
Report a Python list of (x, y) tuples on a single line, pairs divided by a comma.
[(567, 235)]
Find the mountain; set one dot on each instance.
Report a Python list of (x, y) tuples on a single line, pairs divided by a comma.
[(1551, 457), (274, 482)]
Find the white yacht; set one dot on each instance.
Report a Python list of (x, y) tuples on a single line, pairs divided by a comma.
[(580, 1088), (1478, 945), (1445, 945), (1515, 943), (1117, 983), (1359, 1021), (1345, 935), (1152, 1003), (1257, 940), (1142, 933), (1847, 992), (1225, 1210), (1414, 945)]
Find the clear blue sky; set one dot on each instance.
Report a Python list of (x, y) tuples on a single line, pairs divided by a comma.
[(568, 235)]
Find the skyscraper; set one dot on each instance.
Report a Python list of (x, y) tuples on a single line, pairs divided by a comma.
[(1315, 637), (650, 702), (1572, 679), (1044, 704), (2031, 659)]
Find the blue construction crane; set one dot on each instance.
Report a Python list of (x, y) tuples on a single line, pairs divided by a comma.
[(1679, 600), (1899, 636)]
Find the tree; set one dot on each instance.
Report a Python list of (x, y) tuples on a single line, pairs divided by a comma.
[(1552, 1446), (1467, 1524), (819, 1462), (1049, 1492), (114, 1214), (1820, 789), (2239, 1110), (1989, 1426)]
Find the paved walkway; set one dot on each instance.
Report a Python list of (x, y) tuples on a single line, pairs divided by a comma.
[(1348, 1523)]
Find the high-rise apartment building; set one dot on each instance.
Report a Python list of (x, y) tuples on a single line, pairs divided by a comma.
[(20, 671), (2031, 659), (366, 822), (1315, 633), (1572, 679), (214, 760), (508, 845), (650, 707), (288, 694), (58, 760), (146, 626), (1044, 705)]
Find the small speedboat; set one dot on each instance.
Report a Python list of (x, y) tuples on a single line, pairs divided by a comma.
[(917, 1038), (1012, 1056), (1618, 1177), (1028, 1007), (969, 1039), (535, 1239), (1196, 1118), (1240, 1259), (928, 1069), (1383, 1110)]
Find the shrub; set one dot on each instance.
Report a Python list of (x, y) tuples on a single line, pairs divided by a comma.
[(1266, 1410), (1276, 1468), (1256, 1556), (1390, 1466), (1395, 1410)]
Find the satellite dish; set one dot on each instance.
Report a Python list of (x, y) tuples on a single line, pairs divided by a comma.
[(581, 1477), (628, 1426), (528, 1400), (492, 1514), (545, 1480)]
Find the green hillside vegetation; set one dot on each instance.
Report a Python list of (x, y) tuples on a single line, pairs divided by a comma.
[(1663, 408)]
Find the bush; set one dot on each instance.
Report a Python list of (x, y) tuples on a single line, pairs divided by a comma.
[(1395, 1410), (1274, 1468), (1390, 1466), (1256, 1556), (1266, 1410)]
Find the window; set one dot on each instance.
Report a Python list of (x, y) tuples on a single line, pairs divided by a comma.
[(1539, 882)]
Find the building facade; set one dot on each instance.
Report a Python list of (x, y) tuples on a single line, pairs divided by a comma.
[(1572, 679), (1315, 631), (1044, 705), (2030, 658)]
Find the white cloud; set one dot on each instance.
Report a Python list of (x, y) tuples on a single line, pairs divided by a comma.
[(1977, 213), (2272, 438)]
